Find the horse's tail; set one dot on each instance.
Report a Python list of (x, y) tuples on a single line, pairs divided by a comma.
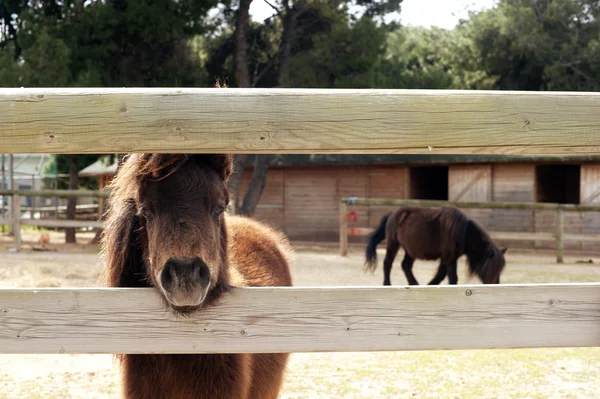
[(373, 239)]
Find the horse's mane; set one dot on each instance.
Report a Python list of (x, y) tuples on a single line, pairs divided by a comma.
[(455, 223), (465, 231)]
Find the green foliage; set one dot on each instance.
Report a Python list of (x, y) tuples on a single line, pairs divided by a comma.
[(416, 58), (540, 45), (343, 56), (103, 43)]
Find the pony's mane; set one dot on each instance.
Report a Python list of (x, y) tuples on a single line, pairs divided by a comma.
[(484, 241), (455, 223)]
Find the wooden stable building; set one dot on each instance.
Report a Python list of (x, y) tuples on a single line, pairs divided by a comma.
[(302, 196)]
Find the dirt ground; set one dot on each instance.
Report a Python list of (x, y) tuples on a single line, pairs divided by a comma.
[(539, 373)]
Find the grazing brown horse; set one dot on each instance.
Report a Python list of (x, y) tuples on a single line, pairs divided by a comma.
[(435, 233), (166, 229)]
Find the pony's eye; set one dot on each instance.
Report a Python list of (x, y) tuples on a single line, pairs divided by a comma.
[(145, 213), (220, 210)]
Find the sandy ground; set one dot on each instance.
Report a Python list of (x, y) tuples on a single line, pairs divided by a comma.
[(540, 373)]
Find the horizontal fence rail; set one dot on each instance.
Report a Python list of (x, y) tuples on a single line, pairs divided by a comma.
[(56, 193), (16, 221), (115, 120), (324, 319), (559, 236)]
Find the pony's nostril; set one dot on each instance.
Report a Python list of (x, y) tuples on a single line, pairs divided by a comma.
[(167, 276), (204, 275), (201, 272)]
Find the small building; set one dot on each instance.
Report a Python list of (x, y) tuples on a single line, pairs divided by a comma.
[(302, 193)]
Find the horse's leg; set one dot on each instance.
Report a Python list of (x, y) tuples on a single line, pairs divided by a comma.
[(390, 254), (440, 275), (452, 276), (407, 264)]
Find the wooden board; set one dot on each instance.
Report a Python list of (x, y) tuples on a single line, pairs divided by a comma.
[(62, 223), (111, 120), (470, 183), (350, 319)]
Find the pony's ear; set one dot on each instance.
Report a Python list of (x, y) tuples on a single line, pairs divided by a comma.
[(122, 249), (503, 250)]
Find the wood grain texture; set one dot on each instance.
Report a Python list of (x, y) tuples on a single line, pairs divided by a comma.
[(62, 223), (74, 120), (331, 319)]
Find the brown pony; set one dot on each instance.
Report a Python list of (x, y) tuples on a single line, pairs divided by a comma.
[(435, 233), (166, 229)]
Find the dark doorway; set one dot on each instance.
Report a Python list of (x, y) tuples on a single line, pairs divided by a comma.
[(429, 183), (558, 183)]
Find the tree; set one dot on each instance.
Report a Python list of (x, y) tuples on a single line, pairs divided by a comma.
[(415, 58), (533, 45)]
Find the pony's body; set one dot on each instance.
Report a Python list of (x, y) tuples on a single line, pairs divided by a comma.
[(435, 233), (236, 251)]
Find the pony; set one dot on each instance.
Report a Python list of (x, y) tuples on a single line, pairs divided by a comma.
[(166, 229), (435, 233)]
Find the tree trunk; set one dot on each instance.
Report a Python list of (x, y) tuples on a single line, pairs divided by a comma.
[(285, 47), (235, 181), (72, 201), (256, 185), (242, 76)]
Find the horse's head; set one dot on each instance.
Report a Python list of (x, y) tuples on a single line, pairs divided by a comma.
[(491, 265), (180, 202), (484, 258)]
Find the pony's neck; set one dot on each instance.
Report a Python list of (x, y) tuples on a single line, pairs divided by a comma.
[(476, 241), (185, 376)]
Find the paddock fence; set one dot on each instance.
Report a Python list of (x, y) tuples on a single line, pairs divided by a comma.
[(16, 220), (300, 319), (559, 236)]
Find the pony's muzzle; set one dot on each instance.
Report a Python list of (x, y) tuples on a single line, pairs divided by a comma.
[(185, 282)]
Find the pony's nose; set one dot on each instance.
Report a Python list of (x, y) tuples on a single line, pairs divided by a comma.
[(183, 274)]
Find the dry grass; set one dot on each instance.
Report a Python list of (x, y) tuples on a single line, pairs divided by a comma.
[(541, 373)]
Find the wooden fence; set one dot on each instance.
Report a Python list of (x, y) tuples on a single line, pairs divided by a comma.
[(127, 320), (16, 221), (558, 236)]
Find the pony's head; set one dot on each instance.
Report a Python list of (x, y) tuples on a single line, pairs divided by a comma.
[(166, 227), (484, 258)]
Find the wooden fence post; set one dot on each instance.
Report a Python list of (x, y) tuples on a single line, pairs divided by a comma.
[(16, 220), (559, 235), (343, 229)]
